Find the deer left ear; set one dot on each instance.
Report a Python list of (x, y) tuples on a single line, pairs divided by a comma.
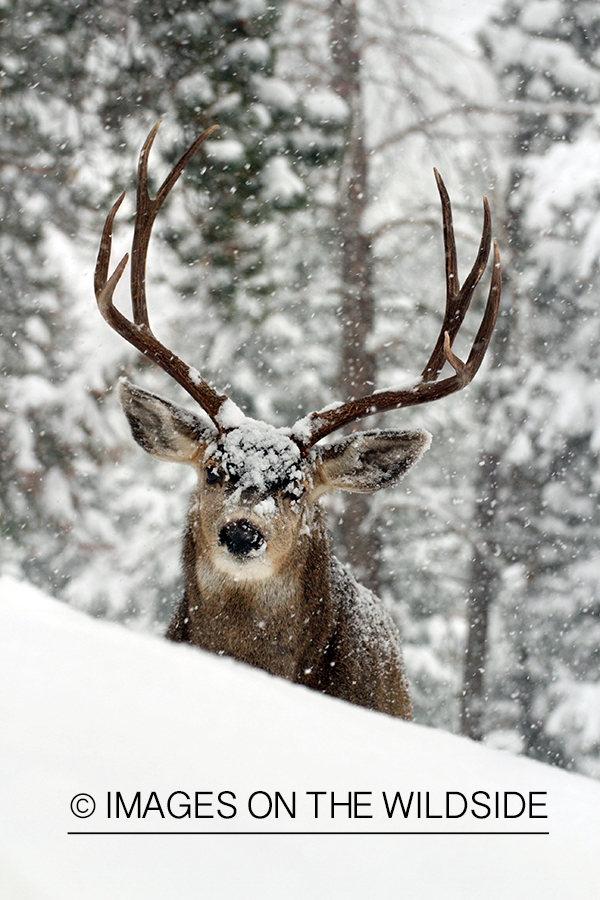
[(368, 460), (162, 428)]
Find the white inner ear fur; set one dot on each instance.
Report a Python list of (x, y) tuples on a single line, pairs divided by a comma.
[(368, 461), (165, 430)]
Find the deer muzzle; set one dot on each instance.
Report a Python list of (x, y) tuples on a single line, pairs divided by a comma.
[(241, 538)]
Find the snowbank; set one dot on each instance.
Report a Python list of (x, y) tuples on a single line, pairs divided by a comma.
[(234, 755)]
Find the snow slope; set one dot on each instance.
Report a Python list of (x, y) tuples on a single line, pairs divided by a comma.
[(89, 707)]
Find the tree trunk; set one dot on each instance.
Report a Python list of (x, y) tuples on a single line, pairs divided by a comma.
[(482, 592), (357, 370)]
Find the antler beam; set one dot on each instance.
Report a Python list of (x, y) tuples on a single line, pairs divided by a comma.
[(458, 298), (138, 332)]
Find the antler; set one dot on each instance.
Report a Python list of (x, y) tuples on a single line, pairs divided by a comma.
[(138, 331), (428, 389)]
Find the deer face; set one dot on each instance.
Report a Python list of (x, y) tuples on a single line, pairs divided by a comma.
[(252, 502), (257, 493)]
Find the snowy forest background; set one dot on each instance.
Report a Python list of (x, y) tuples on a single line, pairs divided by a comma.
[(300, 260)]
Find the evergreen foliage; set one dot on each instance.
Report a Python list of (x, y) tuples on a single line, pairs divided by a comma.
[(543, 423), (44, 476)]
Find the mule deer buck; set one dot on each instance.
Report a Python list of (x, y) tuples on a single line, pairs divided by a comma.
[(261, 583)]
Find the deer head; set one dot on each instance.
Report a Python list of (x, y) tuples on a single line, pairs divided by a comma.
[(257, 484)]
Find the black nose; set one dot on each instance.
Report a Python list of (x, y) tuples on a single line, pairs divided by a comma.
[(241, 537)]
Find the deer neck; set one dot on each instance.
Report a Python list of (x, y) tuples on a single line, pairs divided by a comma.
[(262, 621)]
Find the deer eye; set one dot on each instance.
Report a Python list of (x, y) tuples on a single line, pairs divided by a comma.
[(213, 476)]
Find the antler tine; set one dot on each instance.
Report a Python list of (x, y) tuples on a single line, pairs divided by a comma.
[(452, 283), (103, 261), (458, 298), (146, 212), (488, 323), (320, 424), (138, 332)]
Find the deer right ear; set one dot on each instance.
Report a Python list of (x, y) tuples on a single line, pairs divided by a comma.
[(162, 428), (367, 461)]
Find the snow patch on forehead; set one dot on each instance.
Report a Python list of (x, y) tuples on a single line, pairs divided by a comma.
[(231, 416), (258, 456), (267, 508)]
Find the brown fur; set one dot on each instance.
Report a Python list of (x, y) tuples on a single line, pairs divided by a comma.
[(320, 636)]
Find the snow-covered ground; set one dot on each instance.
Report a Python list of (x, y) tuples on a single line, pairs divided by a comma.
[(87, 707)]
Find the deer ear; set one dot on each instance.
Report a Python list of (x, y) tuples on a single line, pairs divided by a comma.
[(368, 460), (162, 428)]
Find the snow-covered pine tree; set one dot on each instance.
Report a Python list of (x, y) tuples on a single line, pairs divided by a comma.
[(49, 518), (543, 527)]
